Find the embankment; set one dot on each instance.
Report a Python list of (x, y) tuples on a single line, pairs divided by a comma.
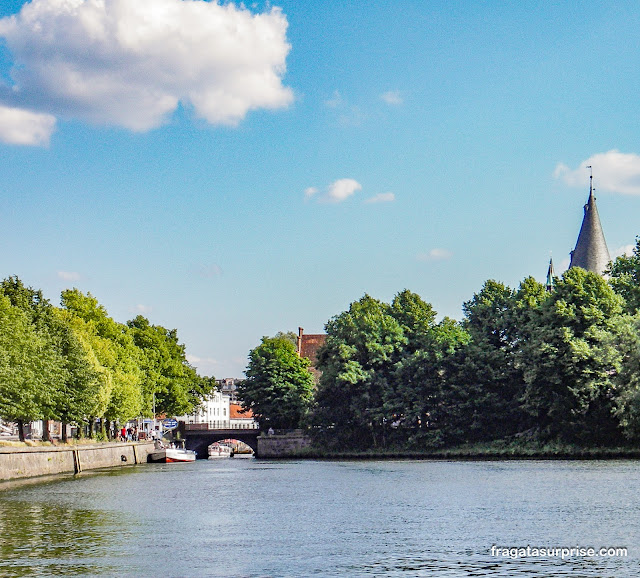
[(28, 462)]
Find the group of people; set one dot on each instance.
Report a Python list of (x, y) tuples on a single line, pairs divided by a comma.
[(129, 434)]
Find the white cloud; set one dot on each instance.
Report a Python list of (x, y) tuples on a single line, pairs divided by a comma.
[(392, 97), (24, 127), (336, 192), (613, 172), (69, 276), (204, 365), (626, 250), (341, 190), (382, 198), (435, 255), (141, 309), (129, 63)]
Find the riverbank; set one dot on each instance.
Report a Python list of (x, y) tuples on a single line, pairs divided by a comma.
[(22, 461), (485, 451)]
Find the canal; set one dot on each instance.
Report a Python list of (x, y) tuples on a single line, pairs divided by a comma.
[(252, 518)]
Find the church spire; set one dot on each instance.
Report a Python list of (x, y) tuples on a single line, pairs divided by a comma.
[(591, 252), (550, 275)]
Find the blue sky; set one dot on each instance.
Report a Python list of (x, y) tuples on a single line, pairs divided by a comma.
[(232, 172)]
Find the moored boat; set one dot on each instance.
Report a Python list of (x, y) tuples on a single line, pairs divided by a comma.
[(171, 454), (217, 450)]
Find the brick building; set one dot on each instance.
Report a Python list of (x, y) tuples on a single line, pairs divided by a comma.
[(308, 345)]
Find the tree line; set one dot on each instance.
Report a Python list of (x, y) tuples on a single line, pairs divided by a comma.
[(77, 365), (524, 364)]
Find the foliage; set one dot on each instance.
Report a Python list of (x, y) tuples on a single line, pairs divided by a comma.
[(166, 372), (624, 277), (569, 360), (31, 370), (76, 364), (279, 387), (357, 362)]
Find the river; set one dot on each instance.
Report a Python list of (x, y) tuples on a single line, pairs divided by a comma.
[(253, 518)]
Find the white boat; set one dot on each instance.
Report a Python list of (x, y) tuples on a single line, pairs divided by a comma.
[(171, 454), (217, 450)]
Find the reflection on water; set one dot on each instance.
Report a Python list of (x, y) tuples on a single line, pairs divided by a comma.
[(43, 539), (249, 518)]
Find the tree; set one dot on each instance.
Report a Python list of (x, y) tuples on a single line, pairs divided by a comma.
[(167, 374), (278, 388), (427, 399), (624, 277), (570, 361), (76, 396), (358, 362), (120, 396), (30, 368), (487, 376)]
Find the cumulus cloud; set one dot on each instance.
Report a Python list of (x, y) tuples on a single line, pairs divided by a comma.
[(613, 172), (342, 189), (130, 63), (626, 250), (392, 97), (336, 192), (141, 309), (24, 127), (68, 276), (382, 198), (435, 255)]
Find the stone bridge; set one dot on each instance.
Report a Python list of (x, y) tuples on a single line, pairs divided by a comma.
[(199, 437)]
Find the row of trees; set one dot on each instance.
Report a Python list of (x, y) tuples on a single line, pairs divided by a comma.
[(76, 364), (522, 364)]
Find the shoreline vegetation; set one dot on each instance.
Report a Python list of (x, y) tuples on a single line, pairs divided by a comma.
[(480, 452), (537, 371)]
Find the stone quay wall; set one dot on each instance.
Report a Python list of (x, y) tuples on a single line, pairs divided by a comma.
[(28, 462), (282, 445)]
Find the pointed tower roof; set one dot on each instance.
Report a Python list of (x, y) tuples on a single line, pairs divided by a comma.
[(591, 252), (550, 275)]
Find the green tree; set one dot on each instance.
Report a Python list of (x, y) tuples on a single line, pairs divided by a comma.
[(30, 368), (77, 394), (486, 372), (120, 397), (358, 361), (167, 374), (427, 400), (570, 361), (624, 277), (278, 388)]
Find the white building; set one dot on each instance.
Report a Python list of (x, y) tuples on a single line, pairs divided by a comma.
[(214, 411), (217, 412)]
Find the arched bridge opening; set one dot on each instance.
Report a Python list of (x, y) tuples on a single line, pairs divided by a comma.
[(199, 439)]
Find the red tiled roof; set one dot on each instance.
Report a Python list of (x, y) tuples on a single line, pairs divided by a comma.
[(235, 409)]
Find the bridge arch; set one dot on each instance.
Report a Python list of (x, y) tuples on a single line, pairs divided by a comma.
[(199, 440)]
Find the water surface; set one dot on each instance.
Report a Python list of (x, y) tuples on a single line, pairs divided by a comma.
[(253, 518)]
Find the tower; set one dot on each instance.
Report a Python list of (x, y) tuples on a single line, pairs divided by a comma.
[(591, 252), (550, 276)]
